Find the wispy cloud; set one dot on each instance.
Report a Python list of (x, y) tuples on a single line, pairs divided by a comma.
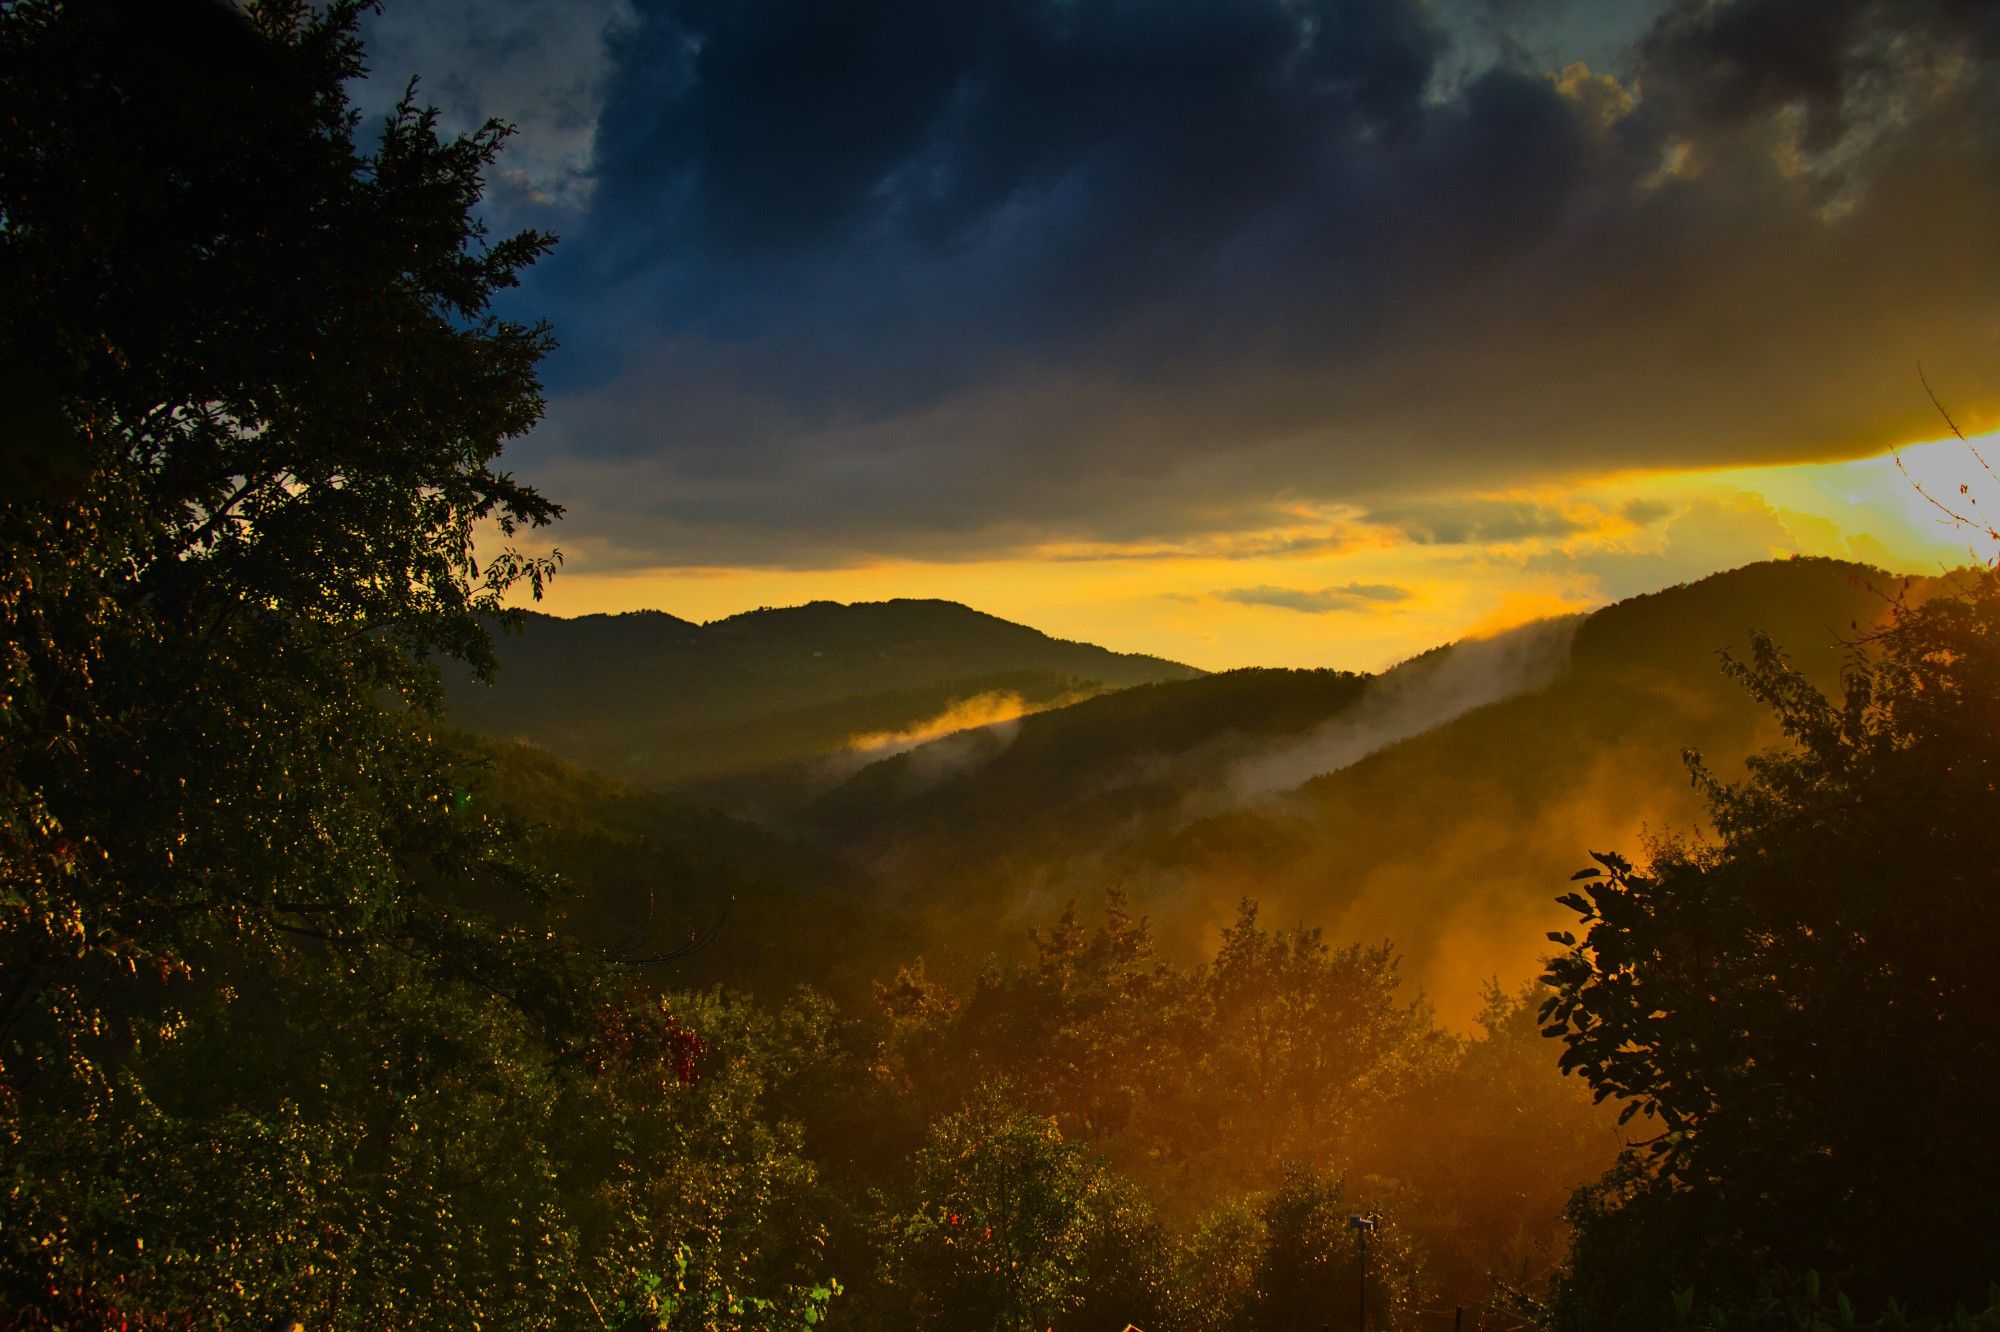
[(1318, 601), (1412, 698)]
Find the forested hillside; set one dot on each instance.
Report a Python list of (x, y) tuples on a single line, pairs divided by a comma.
[(1432, 805), (1191, 796), (661, 702), (685, 895)]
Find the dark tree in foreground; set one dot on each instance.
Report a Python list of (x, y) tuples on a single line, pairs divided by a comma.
[(260, 1057), (283, 397), (1806, 1014)]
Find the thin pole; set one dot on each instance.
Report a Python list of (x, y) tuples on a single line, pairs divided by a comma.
[(1361, 1286)]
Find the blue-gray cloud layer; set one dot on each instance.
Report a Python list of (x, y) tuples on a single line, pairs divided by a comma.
[(897, 276)]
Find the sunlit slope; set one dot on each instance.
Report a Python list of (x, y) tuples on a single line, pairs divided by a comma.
[(1451, 841), (660, 701), (689, 897)]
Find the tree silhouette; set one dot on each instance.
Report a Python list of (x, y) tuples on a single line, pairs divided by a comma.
[(1806, 1011), (263, 1053)]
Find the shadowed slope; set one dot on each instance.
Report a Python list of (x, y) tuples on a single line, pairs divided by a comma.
[(663, 702)]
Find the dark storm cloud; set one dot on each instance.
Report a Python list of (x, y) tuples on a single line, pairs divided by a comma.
[(878, 169), (1733, 62), (943, 279), (769, 126)]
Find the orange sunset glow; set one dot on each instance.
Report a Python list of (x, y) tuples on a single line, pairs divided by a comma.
[(1229, 599), (999, 665)]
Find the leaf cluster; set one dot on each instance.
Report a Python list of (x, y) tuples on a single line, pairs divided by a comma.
[(1805, 1008)]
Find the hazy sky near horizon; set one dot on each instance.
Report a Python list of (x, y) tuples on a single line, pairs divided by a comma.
[(1278, 331)]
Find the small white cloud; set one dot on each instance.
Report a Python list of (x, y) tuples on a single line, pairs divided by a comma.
[(1317, 601)]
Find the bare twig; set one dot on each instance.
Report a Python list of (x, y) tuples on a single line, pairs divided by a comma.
[(1960, 434), (1957, 518), (695, 943)]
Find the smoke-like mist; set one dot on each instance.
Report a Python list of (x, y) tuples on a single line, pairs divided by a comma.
[(1412, 698), (968, 733), (964, 714)]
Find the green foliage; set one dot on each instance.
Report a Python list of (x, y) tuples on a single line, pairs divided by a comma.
[(380, 1144), (1806, 1011), (197, 638), (689, 896), (1011, 1227), (280, 1035), (1292, 1259), (655, 1305), (1277, 1067), (1199, 1080)]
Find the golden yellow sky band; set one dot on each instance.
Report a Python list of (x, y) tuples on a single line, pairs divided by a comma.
[(1332, 590)]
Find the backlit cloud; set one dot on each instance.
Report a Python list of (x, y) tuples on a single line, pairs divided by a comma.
[(896, 283), (1318, 601)]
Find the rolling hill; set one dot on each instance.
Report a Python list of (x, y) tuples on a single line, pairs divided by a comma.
[(688, 896), (1441, 804), (662, 702)]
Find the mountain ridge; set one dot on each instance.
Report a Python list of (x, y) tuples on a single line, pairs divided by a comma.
[(1453, 839), (1428, 803), (651, 698)]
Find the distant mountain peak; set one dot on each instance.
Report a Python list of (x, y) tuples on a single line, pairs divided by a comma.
[(650, 697)]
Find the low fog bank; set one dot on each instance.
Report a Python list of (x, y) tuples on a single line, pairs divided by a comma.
[(1414, 697), (966, 714)]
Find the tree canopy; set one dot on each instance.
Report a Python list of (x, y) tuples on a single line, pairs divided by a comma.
[(283, 392), (264, 1050), (1806, 1009)]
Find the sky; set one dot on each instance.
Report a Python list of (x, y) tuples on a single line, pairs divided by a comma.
[(1280, 332)]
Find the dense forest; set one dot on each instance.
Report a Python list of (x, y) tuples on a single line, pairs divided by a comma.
[(635, 992)]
